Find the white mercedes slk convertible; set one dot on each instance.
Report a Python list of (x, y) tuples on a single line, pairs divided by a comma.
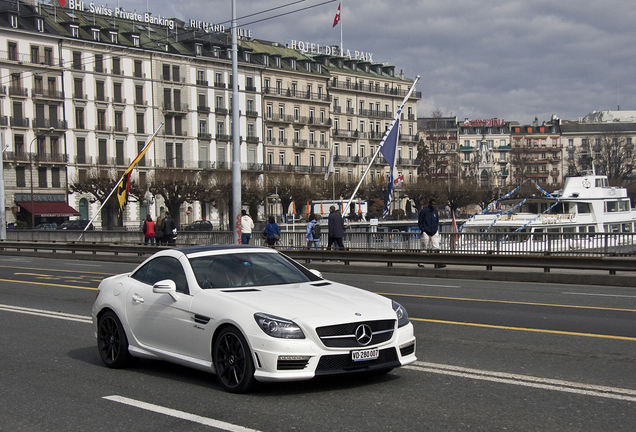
[(247, 314)]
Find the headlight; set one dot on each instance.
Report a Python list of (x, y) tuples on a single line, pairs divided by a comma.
[(278, 327), (402, 316)]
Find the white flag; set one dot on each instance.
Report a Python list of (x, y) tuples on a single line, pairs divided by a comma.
[(330, 167)]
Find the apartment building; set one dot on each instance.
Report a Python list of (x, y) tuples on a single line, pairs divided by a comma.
[(83, 92)]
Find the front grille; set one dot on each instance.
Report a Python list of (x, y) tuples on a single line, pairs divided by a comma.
[(343, 335), (292, 364), (330, 364)]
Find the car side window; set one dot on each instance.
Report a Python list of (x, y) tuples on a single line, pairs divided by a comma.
[(163, 268)]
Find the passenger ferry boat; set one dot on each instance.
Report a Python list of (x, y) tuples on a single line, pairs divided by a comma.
[(571, 218)]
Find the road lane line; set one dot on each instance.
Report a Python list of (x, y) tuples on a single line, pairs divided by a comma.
[(49, 314), (527, 381), (600, 295), (526, 329), (180, 414), (507, 302), (47, 284)]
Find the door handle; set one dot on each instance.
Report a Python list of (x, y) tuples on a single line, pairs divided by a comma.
[(137, 298)]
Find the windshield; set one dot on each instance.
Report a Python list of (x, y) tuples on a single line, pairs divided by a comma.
[(247, 269)]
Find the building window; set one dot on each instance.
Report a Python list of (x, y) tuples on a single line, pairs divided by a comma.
[(95, 34), (135, 40), (138, 70), (79, 118), (74, 31), (20, 176), (113, 36), (99, 62), (14, 21), (13, 51), (140, 123)]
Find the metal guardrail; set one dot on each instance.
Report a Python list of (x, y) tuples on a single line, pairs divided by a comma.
[(137, 253), (572, 244)]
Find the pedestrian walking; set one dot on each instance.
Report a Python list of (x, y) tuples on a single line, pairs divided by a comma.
[(169, 229), (428, 222), (247, 225), (335, 228), (313, 231), (149, 230)]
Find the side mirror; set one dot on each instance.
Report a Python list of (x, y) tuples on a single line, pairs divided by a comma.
[(316, 272), (166, 286)]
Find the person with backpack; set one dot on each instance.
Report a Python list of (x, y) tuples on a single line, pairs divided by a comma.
[(313, 231)]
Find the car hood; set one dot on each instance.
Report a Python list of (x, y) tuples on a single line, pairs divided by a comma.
[(312, 300)]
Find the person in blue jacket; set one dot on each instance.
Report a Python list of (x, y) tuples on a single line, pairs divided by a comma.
[(272, 232), (314, 231)]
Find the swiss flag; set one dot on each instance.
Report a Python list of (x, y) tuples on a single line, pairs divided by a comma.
[(336, 20), (62, 2), (399, 182)]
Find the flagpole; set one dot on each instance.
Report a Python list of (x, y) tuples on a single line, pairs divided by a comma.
[(386, 134), (341, 47), (145, 148)]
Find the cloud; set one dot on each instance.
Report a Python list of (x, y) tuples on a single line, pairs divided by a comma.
[(477, 58)]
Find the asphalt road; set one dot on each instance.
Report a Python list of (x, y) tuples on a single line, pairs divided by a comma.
[(492, 356)]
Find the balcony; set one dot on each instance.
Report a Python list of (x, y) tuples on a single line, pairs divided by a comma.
[(221, 111), (47, 94), (252, 139), (178, 108), (203, 109), (19, 122), (203, 83), (18, 91), (40, 123), (204, 136)]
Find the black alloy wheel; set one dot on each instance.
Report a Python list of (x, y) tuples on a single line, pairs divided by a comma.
[(112, 342), (233, 361)]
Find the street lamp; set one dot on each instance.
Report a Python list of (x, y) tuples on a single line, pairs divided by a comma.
[(51, 129)]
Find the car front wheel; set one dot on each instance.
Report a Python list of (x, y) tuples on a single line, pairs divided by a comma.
[(112, 342), (233, 361)]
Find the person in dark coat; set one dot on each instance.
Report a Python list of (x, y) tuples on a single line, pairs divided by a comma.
[(272, 232), (335, 225), (428, 222), (169, 229)]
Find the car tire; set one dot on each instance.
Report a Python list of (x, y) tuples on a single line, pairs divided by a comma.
[(233, 361), (112, 342)]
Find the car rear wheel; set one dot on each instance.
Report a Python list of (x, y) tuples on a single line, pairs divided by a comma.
[(233, 361), (112, 342)]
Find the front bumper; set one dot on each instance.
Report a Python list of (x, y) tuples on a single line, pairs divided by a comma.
[(292, 360)]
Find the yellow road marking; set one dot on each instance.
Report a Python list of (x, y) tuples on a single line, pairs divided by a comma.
[(56, 270), (558, 332), (48, 284), (509, 302)]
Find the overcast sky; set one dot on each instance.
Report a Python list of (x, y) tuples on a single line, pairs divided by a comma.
[(477, 59)]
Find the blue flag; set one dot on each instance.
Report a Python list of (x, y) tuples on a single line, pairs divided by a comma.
[(389, 151)]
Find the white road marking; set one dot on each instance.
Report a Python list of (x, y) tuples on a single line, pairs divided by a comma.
[(48, 314), (527, 381), (180, 414), (600, 295)]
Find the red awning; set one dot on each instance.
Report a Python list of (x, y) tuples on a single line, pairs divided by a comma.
[(49, 209)]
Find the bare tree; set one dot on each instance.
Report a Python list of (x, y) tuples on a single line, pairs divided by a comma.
[(175, 187), (99, 183), (520, 158)]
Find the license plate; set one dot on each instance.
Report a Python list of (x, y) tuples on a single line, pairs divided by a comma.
[(365, 355)]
